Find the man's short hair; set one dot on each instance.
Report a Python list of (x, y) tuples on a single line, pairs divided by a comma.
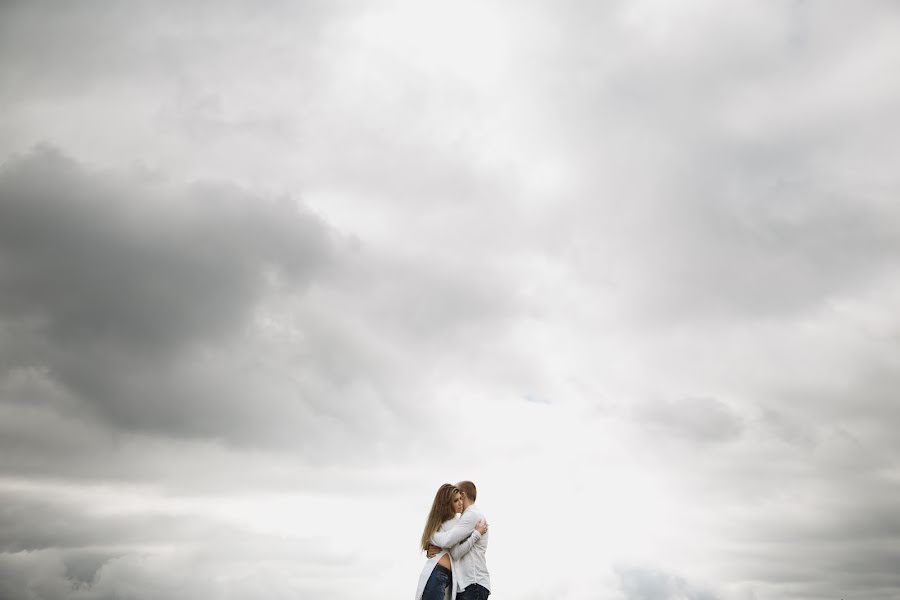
[(468, 488)]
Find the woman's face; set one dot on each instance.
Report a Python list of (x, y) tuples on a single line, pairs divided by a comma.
[(457, 502)]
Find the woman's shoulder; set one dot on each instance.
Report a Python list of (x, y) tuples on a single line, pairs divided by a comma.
[(449, 523)]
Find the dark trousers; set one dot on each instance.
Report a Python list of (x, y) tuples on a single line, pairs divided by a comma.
[(437, 583), (474, 592)]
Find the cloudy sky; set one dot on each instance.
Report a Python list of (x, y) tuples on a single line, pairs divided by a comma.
[(270, 273)]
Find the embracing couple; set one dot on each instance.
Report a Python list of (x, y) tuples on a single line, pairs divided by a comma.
[(455, 539)]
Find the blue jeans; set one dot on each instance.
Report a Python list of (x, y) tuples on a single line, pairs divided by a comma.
[(437, 584), (474, 592)]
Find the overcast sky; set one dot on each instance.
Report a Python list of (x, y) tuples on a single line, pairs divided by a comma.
[(270, 273)]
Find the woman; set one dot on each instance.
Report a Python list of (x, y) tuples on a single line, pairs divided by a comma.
[(438, 575)]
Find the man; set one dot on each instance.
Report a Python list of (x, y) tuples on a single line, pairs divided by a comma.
[(473, 580)]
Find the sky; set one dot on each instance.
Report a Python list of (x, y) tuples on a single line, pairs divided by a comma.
[(271, 273)]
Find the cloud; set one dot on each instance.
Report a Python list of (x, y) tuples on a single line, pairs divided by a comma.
[(85, 259), (650, 584), (31, 523), (134, 306), (698, 419), (52, 575), (108, 298), (104, 542), (299, 264)]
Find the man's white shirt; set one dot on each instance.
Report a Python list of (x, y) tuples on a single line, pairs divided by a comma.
[(472, 566)]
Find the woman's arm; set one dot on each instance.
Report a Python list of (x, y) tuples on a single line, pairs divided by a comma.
[(464, 526)]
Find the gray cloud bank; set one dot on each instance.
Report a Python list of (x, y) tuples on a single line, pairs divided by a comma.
[(105, 297)]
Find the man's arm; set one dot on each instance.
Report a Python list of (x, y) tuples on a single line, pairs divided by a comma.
[(464, 526), (462, 548)]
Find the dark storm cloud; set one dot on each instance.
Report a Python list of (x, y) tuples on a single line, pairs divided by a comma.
[(107, 283), (51, 438), (134, 306), (83, 262), (31, 522)]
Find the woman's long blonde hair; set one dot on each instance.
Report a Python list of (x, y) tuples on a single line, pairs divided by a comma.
[(441, 510)]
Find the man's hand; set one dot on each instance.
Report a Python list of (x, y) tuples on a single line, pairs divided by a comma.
[(432, 550)]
